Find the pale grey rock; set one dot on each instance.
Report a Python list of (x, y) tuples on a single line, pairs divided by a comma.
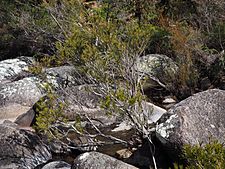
[(12, 111), (94, 160), (124, 153), (21, 149), (18, 97), (165, 129), (161, 67), (19, 93), (57, 165), (194, 120), (122, 127), (61, 77), (150, 63), (154, 112), (168, 100), (10, 68), (26, 92)]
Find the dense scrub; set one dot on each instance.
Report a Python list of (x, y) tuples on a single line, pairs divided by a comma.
[(211, 155), (104, 39), (26, 28), (192, 33)]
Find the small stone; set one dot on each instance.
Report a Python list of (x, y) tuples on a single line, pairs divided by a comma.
[(97, 160), (124, 153), (168, 101), (122, 126)]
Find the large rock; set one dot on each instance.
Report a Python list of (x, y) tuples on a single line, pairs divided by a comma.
[(155, 112), (194, 120), (80, 101), (57, 165), (15, 111), (62, 76), (98, 160), (21, 149), (84, 105), (152, 115), (12, 69), (20, 89), (160, 67), (25, 92), (18, 97)]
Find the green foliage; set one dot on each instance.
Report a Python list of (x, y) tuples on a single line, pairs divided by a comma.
[(216, 38), (103, 41), (160, 43), (211, 155), (26, 28), (176, 166), (181, 45), (106, 48), (50, 112), (191, 25), (178, 9), (142, 10), (78, 124)]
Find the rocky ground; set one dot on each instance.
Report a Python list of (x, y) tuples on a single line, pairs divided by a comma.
[(190, 121)]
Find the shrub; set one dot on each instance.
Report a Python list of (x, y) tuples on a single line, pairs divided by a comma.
[(178, 9), (27, 29), (216, 38), (49, 112), (106, 49), (211, 155), (160, 43), (183, 42)]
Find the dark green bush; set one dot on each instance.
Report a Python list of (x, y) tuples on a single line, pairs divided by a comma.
[(209, 156), (216, 38), (49, 112), (27, 29)]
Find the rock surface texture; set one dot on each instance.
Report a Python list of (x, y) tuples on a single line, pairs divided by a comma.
[(194, 120), (20, 89), (94, 160), (57, 165), (80, 101), (157, 67), (156, 64), (17, 90), (21, 149), (13, 69)]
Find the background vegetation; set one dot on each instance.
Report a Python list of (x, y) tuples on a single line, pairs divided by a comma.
[(104, 39), (192, 33), (211, 155)]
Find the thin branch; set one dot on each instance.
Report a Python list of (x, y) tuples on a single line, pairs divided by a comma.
[(59, 25)]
